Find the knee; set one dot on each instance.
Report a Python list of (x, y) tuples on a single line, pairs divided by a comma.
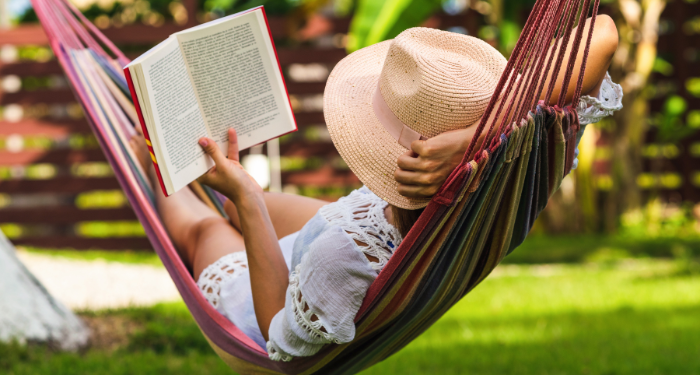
[(203, 228), (199, 232)]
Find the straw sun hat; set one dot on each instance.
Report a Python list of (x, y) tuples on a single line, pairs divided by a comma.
[(423, 83)]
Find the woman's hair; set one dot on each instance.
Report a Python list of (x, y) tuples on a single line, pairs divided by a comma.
[(404, 219)]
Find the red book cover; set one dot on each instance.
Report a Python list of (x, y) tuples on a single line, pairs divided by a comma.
[(134, 99), (274, 48)]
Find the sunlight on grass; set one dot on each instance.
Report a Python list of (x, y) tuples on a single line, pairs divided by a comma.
[(125, 256), (636, 318)]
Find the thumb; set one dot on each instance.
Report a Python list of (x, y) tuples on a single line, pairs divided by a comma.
[(212, 149), (418, 147), (232, 144)]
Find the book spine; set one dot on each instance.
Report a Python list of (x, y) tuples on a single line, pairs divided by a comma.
[(272, 41), (135, 99)]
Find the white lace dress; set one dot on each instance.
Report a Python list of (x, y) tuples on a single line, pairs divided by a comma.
[(331, 274), (331, 269), (593, 109)]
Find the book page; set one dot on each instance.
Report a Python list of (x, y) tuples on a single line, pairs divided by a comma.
[(237, 79), (177, 120)]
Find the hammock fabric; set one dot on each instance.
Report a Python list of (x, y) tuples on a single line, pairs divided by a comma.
[(483, 211)]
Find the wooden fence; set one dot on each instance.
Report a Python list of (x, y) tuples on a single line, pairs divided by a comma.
[(56, 189)]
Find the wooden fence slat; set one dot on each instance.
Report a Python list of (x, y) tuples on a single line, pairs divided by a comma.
[(25, 34), (64, 96), (63, 215), (49, 128), (309, 118), (306, 149), (305, 88), (143, 34), (325, 176), (61, 96), (63, 184), (310, 55), (287, 56), (133, 34), (53, 68), (82, 243), (31, 68), (61, 157)]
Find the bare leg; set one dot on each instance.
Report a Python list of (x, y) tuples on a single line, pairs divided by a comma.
[(288, 212), (200, 235)]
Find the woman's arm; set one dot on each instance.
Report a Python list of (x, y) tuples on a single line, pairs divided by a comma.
[(603, 47), (269, 276), (424, 168)]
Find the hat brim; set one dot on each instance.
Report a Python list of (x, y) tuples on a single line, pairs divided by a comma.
[(362, 141)]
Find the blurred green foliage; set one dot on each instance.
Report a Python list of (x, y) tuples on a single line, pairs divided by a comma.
[(662, 66), (375, 21), (272, 7), (541, 249), (670, 121), (100, 199), (693, 86), (144, 10), (106, 229)]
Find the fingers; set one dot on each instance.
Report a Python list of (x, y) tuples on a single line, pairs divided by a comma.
[(419, 178), (421, 148), (409, 161), (212, 149), (411, 178), (138, 130), (415, 191), (412, 162), (233, 144)]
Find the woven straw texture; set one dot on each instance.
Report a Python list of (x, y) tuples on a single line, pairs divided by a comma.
[(433, 81)]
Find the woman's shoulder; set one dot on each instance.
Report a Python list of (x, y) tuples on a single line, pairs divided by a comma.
[(352, 205), (359, 208), (360, 215)]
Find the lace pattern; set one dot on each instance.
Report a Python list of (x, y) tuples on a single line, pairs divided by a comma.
[(275, 355), (609, 100), (303, 314), (361, 215), (228, 267)]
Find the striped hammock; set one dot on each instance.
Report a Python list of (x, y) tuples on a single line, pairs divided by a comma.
[(483, 211)]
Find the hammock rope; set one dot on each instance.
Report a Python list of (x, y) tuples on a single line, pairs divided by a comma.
[(483, 211)]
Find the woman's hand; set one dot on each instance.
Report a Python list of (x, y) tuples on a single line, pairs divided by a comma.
[(269, 275), (227, 176), (423, 169)]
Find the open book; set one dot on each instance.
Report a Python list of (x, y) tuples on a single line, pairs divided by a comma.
[(201, 82)]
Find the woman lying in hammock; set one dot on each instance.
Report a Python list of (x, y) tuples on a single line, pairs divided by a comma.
[(291, 272)]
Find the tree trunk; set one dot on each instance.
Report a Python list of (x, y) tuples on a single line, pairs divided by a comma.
[(28, 313)]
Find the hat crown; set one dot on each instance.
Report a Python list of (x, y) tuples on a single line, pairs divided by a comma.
[(436, 81)]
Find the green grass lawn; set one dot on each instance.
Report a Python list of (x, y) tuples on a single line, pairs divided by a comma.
[(129, 257), (631, 317), (639, 317)]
